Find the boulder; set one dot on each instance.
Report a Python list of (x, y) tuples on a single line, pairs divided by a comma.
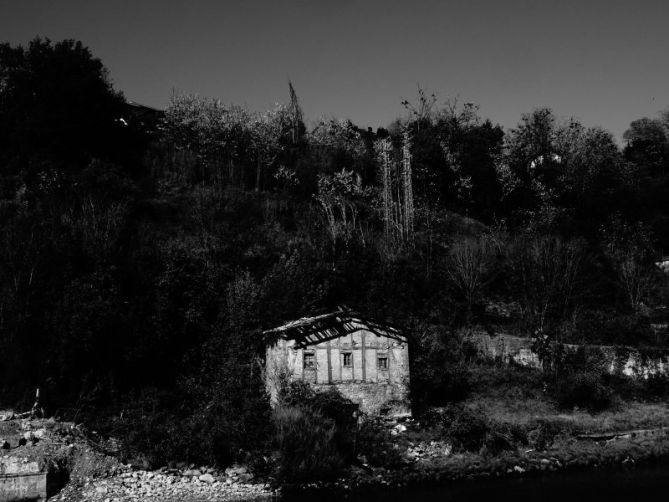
[(245, 477), (31, 437), (207, 478), (6, 415), (398, 429), (39, 433), (235, 470)]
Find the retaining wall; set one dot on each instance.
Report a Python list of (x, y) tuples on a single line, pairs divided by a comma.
[(628, 361)]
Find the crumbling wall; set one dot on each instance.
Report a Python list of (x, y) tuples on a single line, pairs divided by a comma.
[(21, 479), (627, 361), (19, 487), (376, 398), (506, 348)]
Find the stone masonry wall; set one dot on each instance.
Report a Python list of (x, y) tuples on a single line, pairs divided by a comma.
[(627, 361), (375, 399), (21, 479)]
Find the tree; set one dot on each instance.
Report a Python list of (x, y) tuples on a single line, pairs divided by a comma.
[(471, 148), (219, 135), (470, 267), (647, 144), (267, 130), (629, 249), (530, 161), (396, 191), (561, 173), (592, 176), (335, 145), (58, 110), (547, 274), (338, 196), (296, 118), (647, 151)]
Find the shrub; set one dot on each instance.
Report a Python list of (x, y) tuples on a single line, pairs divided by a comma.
[(545, 432), (503, 436), (610, 327), (452, 384), (305, 442), (464, 428), (331, 405), (314, 432), (441, 370), (374, 443), (471, 430), (508, 380), (655, 387), (583, 389)]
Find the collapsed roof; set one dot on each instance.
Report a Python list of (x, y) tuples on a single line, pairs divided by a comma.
[(320, 328)]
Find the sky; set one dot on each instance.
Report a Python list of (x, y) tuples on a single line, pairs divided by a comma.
[(603, 62)]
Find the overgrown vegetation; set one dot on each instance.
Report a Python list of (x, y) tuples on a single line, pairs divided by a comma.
[(142, 252), (315, 433)]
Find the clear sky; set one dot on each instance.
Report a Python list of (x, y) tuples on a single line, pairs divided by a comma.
[(604, 62)]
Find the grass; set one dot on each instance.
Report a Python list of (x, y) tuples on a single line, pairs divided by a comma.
[(515, 396), (625, 416)]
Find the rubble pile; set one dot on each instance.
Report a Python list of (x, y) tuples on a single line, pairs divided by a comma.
[(428, 450), (69, 456)]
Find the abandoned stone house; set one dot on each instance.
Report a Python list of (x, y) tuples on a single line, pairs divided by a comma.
[(366, 361)]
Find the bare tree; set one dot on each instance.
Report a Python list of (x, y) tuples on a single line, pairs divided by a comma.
[(629, 249), (471, 267), (547, 273), (407, 185), (397, 192), (338, 196)]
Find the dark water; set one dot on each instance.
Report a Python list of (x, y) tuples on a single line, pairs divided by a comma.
[(631, 485)]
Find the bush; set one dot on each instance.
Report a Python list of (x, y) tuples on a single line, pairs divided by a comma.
[(314, 432), (655, 387), (583, 389), (374, 443), (503, 436), (471, 430), (545, 432), (440, 373), (305, 442), (451, 384), (508, 380), (464, 428), (609, 327)]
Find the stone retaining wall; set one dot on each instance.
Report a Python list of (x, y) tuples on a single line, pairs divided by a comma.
[(21, 479), (627, 361), (20, 487)]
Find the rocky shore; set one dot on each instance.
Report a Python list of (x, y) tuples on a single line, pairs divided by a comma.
[(94, 476), (434, 463), (192, 485), (428, 464)]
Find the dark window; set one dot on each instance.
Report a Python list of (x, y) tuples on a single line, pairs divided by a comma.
[(382, 363), (347, 360), (309, 360)]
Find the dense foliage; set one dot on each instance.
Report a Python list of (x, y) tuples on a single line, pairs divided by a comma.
[(141, 259)]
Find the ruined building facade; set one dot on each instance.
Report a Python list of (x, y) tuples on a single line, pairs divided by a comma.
[(367, 362)]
